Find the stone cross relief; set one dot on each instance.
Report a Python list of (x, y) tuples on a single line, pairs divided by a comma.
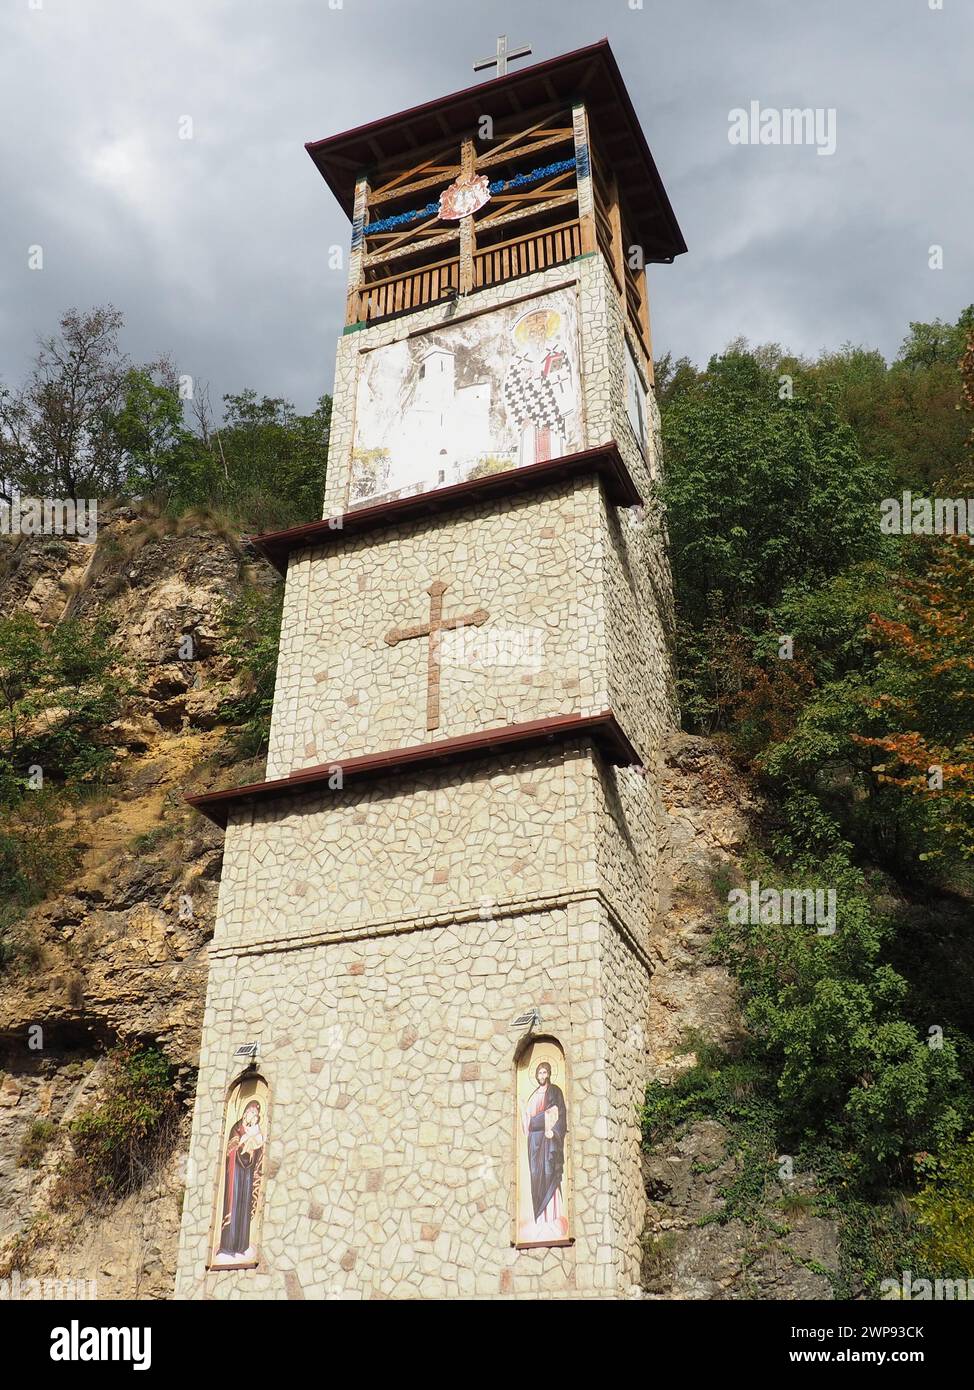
[(436, 625)]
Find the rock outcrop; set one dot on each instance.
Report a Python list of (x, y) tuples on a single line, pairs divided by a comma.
[(120, 953), (693, 1251)]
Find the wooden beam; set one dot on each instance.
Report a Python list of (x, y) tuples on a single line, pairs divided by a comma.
[(441, 150), (468, 167), (511, 123), (441, 175), (517, 135), (390, 240), (398, 252), (543, 190), (559, 137), (436, 163), (646, 326), (502, 219), (636, 279), (583, 179), (618, 252)]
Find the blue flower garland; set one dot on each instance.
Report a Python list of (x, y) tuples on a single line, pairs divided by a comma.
[(386, 224)]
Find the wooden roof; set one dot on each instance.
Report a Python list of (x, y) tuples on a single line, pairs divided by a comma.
[(588, 74)]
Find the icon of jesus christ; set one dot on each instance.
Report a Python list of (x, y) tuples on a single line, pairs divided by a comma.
[(544, 1121)]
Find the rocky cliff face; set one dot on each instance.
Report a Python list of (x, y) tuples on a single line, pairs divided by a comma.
[(120, 953)]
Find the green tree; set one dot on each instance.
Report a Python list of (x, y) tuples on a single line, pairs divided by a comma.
[(830, 1014), (60, 690), (905, 415), (56, 437), (937, 343), (763, 494), (150, 432), (24, 665), (252, 630)]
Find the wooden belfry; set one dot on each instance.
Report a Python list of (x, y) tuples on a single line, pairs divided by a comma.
[(560, 151), (456, 825)]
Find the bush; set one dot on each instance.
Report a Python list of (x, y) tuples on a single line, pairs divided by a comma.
[(35, 1142), (739, 1093), (829, 1016), (59, 691), (944, 1208), (252, 633), (35, 856), (130, 1130)]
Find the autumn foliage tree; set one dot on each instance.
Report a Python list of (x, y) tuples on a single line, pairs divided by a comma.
[(926, 680)]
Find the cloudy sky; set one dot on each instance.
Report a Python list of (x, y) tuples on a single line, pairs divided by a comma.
[(216, 247)]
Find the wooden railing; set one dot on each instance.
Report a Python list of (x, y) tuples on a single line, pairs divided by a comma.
[(525, 254), (411, 290), (520, 256)]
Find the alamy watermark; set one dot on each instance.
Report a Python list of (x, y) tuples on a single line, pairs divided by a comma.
[(77, 1343), (786, 125), (49, 516), (783, 907), (926, 1290), (927, 516), (17, 1290), (476, 648)]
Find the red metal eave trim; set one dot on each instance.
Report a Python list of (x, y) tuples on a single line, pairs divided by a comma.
[(604, 460), (603, 729)]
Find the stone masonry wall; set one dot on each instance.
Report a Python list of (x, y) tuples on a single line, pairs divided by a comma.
[(389, 1052), (380, 938), (386, 853), (532, 562)]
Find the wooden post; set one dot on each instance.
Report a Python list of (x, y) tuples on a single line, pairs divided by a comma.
[(620, 262), (468, 236), (583, 179), (618, 251), (644, 320), (359, 212)]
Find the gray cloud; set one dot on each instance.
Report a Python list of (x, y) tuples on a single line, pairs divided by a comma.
[(216, 247)]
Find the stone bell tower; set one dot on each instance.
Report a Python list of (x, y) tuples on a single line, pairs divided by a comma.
[(431, 941)]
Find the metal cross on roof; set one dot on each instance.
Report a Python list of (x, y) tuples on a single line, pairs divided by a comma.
[(504, 56)]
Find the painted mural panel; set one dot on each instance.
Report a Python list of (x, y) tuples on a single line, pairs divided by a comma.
[(543, 1179), (494, 392), (241, 1179)]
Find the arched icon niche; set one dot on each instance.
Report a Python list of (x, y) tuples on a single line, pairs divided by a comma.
[(241, 1179), (542, 1159)]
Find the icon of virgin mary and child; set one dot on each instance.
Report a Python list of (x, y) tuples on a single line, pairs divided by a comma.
[(241, 1189)]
